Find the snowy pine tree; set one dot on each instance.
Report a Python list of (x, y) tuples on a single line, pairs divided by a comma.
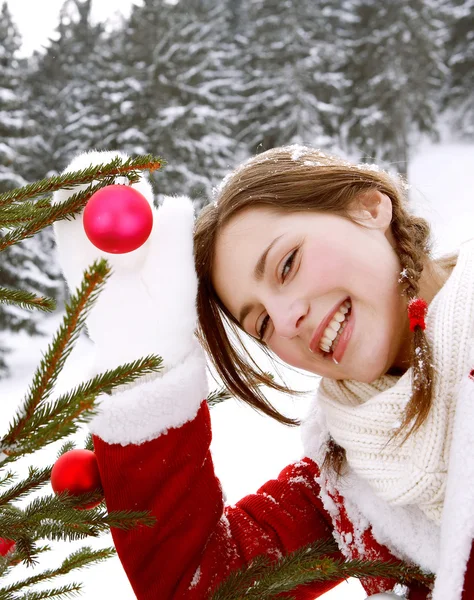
[(12, 113), (119, 91), (64, 97), (459, 94), (29, 263), (80, 93), (190, 90), (288, 96), (396, 63)]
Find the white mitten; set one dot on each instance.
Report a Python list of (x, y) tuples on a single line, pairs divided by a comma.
[(148, 305)]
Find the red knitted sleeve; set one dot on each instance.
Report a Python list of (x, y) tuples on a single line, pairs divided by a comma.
[(196, 542)]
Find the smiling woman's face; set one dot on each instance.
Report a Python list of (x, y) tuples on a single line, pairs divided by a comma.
[(282, 274)]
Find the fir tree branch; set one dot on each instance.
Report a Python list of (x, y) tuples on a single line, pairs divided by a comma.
[(83, 558), (36, 478), (18, 214), (55, 517), (26, 300), (47, 511), (265, 580), (69, 445), (25, 551), (11, 560), (129, 520), (51, 364), (73, 205), (71, 179), (104, 382), (218, 396), (10, 476), (50, 421), (89, 443), (70, 590)]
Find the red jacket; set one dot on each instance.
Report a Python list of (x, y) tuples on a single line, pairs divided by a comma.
[(197, 541)]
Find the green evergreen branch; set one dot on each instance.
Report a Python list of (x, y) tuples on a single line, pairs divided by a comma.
[(11, 560), (55, 517), (126, 520), (26, 300), (69, 180), (82, 558), (18, 449), (76, 407), (218, 396), (18, 214), (70, 590), (69, 445), (36, 478), (265, 580), (51, 364), (52, 422), (262, 570), (89, 443), (10, 476), (64, 210), (25, 550)]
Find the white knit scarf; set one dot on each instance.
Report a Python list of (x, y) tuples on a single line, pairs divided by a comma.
[(361, 417)]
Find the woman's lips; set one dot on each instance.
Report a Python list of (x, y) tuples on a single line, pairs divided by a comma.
[(314, 343), (345, 337)]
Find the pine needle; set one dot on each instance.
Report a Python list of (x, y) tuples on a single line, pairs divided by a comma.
[(26, 300), (35, 480), (265, 580), (58, 351), (71, 179)]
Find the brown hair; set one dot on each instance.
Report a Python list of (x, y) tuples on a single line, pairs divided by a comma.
[(291, 179)]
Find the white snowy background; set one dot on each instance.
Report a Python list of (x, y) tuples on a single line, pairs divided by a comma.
[(248, 449)]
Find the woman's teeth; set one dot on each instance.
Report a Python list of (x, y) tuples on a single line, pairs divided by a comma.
[(334, 330)]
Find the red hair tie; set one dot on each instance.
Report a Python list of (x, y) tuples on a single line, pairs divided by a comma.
[(417, 308)]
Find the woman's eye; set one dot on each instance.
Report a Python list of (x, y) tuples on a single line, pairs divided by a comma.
[(263, 328), (288, 265)]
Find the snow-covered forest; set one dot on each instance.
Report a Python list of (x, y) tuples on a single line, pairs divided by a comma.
[(204, 84)]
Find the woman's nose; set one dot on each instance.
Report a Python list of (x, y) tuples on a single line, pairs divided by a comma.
[(288, 317)]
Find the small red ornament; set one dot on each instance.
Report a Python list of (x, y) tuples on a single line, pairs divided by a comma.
[(6, 546), (118, 219), (77, 472), (417, 308)]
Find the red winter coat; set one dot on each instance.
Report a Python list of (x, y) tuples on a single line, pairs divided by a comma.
[(197, 541)]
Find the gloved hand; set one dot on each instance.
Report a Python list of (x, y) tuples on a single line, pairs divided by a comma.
[(148, 306)]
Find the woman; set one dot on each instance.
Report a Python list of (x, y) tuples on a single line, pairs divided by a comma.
[(297, 246)]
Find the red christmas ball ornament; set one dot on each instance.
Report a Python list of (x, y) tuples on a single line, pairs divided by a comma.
[(77, 472), (118, 219), (6, 546)]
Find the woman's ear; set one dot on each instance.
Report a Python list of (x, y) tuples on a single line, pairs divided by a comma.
[(373, 210)]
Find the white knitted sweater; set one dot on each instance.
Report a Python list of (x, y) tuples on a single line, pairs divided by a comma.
[(361, 417)]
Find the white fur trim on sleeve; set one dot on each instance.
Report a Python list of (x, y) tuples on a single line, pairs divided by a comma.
[(145, 411)]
